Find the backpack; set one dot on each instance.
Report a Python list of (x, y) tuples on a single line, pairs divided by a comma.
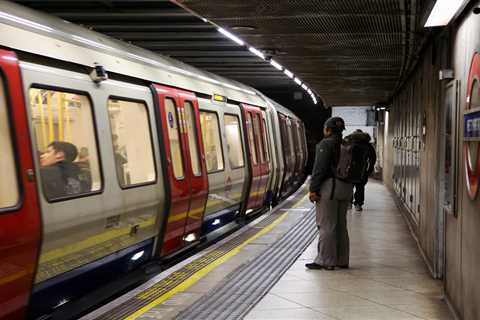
[(352, 162)]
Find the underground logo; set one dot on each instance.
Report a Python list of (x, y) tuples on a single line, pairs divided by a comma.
[(471, 125)]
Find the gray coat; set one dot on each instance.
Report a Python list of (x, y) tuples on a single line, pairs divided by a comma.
[(326, 157)]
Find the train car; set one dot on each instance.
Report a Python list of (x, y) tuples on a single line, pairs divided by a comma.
[(114, 157)]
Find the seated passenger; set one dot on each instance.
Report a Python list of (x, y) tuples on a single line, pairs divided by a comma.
[(60, 176), (83, 162)]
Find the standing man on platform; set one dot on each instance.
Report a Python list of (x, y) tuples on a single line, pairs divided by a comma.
[(332, 198)]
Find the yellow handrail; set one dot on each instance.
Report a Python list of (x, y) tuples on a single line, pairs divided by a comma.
[(61, 101), (68, 126), (51, 133), (42, 120)]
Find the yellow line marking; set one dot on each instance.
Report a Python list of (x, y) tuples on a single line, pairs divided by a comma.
[(92, 241), (202, 272), (300, 201), (177, 217), (13, 276)]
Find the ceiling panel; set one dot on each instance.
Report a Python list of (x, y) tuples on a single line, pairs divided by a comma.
[(349, 52)]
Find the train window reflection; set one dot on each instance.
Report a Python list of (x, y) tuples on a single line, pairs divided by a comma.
[(65, 140), (8, 184), (265, 141), (211, 141), (234, 141), (251, 139), (258, 136), (192, 141), (132, 143), (174, 137)]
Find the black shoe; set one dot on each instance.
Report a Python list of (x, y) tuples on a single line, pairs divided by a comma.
[(344, 266), (316, 266)]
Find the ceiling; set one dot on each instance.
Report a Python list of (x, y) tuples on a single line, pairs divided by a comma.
[(349, 52)]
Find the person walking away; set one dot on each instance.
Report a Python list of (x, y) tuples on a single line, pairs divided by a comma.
[(332, 197), (363, 139)]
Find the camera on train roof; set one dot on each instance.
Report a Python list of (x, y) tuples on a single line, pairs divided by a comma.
[(98, 74)]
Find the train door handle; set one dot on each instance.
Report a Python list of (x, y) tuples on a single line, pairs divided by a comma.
[(30, 175)]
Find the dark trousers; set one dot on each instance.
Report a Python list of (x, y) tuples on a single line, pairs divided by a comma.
[(359, 195)]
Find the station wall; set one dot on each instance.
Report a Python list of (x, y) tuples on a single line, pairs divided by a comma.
[(424, 162)]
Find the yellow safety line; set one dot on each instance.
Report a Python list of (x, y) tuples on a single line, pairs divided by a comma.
[(300, 201), (202, 272)]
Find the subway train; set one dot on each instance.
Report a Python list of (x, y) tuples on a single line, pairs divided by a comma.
[(114, 157)]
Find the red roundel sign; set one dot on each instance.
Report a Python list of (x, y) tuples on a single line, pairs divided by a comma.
[(471, 137)]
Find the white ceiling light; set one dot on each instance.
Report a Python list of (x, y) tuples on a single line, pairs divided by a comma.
[(276, 65), (256, 52), (231, 36), (297, 81), (304, 87), (443, 12), (204, 20), (288, 73)]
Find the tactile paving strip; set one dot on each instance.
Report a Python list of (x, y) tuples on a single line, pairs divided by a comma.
[(161, 288), (234, 297)]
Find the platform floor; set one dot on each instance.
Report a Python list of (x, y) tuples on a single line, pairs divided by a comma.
[(387, 280)]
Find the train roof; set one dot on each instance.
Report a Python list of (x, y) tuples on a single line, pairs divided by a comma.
[(278, 107), (59, 39)]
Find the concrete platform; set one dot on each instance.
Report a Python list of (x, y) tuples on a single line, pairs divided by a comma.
[(388, 278)]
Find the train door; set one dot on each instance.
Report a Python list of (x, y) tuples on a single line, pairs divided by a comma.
[(186, 172), (252, 130), (286, 153), (268, 155), (198, 175), (19, 213), (260, 134), (298, 150)]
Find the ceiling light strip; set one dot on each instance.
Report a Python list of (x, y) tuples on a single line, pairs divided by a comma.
[(276, 65), (256, 52), (231, 36)]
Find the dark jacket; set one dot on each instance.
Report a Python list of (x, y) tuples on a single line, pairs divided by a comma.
[(364, 138), (326, 159), (60, 180)]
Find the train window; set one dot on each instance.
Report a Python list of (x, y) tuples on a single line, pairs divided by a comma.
[(265, 141), (9, 196), (132, 142), (296, 138), (251, 140), (192, 141), (258, 136), (290, 139), (234, 141), (211, 141), (66, 144), (174, 137)]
